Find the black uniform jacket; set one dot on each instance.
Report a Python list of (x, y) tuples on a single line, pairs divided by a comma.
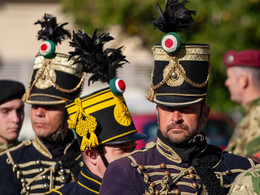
[(158, 169), (31, 168), (87, 184)]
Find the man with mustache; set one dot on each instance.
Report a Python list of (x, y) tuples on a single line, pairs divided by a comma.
[(52, 158), (180, 161), (11, 112)]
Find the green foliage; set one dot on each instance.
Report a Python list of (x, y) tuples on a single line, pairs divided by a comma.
[(224, 24)]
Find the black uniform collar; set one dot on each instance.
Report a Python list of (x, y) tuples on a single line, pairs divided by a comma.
[(187, 151), (89, 180)]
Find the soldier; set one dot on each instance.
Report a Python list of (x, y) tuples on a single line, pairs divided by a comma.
[(101, 120), (52, 158), (247, 182), (180, 161), (243, 72), (11, 112)]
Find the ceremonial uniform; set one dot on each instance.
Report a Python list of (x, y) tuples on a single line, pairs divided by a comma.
[(87, 183), (158, 168), (180, 161), (53, 158), (35, 167), (101, 120)]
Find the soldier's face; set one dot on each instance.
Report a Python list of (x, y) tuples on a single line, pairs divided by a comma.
[(11, 120), (180, 124), (47, 119), (113, 152), (234, 83)]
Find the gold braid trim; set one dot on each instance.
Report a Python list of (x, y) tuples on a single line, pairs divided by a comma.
[(190, 81), (27, 94), (174, 61), (172, 157), (46, 64), (150, 94), (62, 89), (172, 179)]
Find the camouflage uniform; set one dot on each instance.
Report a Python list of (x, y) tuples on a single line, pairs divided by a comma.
[(246, 138), (3, 146), (247, 182)]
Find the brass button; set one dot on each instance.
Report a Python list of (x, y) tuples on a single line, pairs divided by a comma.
[(192, 176), (28, 188), (162, 165), (62, 171), (167, 173), (174, 75), (176, 191), (157, 192), (43, 77), (228, 172), (44, 177), (63, 179), (141, 167), (38, 162), (190, 171), (41, 169), (195, 185), (45, 186)]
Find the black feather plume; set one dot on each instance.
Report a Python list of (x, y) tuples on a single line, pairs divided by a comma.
[(50, 30), (175, 18), (102, 64)]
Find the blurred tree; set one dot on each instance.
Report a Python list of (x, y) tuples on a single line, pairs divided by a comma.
[(223, 24)]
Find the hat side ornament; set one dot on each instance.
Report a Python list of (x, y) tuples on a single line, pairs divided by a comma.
[(101, 117), (54, 79), (174, 79)]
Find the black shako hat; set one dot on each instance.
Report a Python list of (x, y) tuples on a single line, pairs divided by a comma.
[(55, 78), (181, 71), (101, 117), (10, 90)]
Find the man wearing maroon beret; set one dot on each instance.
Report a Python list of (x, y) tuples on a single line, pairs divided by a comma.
[(243, 83)]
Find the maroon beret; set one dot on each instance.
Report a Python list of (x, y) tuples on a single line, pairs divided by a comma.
[(242, 58)]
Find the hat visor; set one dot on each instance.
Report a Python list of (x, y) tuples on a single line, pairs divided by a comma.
[(126, 139), (45, 100), (175, 101)]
